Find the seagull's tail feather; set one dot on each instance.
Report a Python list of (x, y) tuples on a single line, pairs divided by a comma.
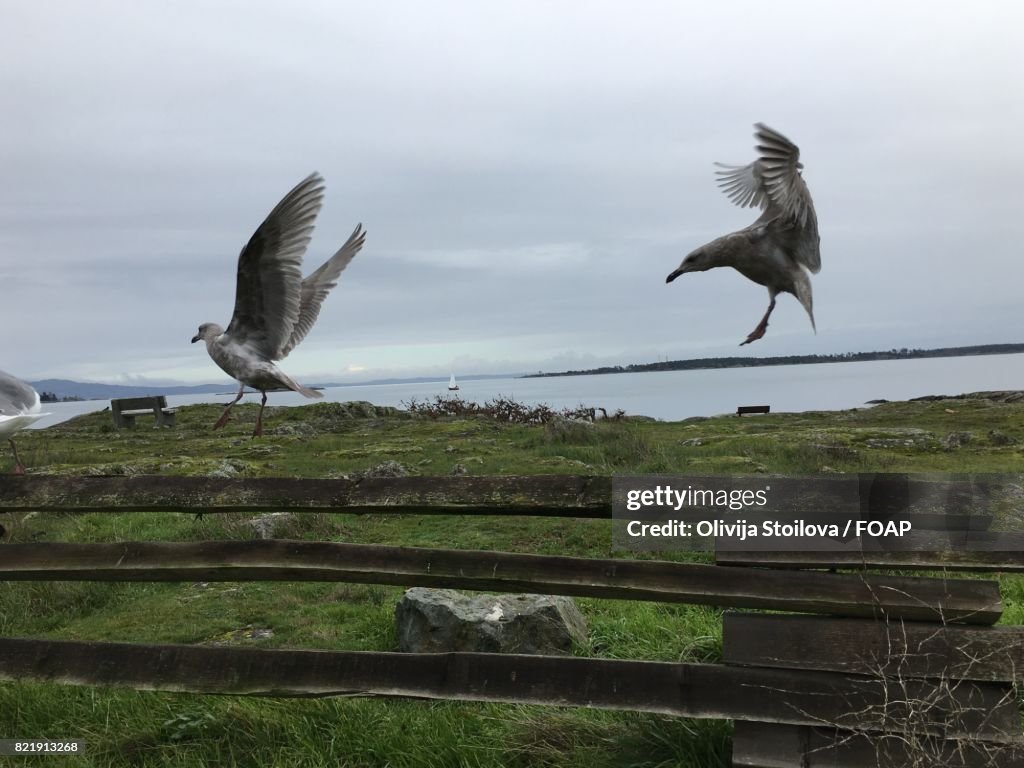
[(307, 392), (802, 291), (296, 387)]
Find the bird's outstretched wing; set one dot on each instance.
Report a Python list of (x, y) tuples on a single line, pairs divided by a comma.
[(316, 287), (779, 167), (743, 184), (16, 397), (774, 184), (772, 180), (268, 292)]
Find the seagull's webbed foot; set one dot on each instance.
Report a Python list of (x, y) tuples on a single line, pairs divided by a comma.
[(759, 331), (756, 334), (224, 416)]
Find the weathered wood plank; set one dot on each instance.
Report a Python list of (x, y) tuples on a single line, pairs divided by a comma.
[(693, 690), (554, 495), (973, 601), (869, 646), (768, 745), (542, 495), (932, 550)]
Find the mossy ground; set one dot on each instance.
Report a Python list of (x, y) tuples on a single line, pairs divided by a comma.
[(330, 440)]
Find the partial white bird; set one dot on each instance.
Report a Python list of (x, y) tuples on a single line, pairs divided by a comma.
[(776, 250), (274, 307), (19, 409)]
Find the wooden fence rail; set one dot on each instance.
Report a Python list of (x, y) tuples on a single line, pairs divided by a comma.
[(867, 647), (964, 600), (937, 552), (977, 711), (768, 745), (554, 495), (538, 495)]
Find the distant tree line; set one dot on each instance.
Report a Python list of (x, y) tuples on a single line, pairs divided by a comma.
[(50, 397), (747, 362)]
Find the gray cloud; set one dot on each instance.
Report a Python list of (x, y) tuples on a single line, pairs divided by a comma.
[(528, 174)]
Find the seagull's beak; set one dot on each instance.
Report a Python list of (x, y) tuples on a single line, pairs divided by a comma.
[(675, 274), (195, 339)]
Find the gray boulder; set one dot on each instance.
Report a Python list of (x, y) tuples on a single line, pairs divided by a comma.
[(955, 440), (269, 525), (386, 469), (1000, 438), (442, 620)]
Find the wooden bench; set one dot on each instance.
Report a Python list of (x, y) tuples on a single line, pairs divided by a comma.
[(752, 409), (125, 409)]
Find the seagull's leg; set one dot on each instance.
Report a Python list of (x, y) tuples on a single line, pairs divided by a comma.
[(19, 468), (224, 416), (258, 432), (758, 332)]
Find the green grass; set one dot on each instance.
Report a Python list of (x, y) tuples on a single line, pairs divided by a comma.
[(135, 728)]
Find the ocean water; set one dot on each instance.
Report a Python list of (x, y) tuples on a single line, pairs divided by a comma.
[(673, 395)]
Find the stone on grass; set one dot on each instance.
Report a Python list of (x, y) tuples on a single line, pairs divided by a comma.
[(229, 468), (385, 469), (997, 437), (246, 634), (442, 620), (889, 442), (267, 526), (955, 440)]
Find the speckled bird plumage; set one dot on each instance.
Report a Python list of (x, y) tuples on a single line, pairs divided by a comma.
[(782, 246), (274, 306)]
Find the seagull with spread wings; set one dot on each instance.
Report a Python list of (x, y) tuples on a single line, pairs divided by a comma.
[(19, 408), (274, 306), (779, 248)]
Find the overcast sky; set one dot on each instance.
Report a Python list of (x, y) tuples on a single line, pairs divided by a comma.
[(528, 173)]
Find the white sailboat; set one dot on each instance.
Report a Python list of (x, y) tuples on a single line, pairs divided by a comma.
[(452, 385)]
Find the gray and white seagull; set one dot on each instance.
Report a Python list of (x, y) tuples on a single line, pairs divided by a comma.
[(779, 248), (274, 306), (19, 409)]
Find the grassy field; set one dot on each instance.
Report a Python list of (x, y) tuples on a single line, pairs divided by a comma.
[(332, 440)]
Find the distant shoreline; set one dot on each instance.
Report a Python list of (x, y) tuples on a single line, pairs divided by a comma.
[(65, 389), (707, 363)]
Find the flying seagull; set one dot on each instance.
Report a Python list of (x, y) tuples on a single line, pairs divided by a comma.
[(274, 306), (780, 247), (19, 408)]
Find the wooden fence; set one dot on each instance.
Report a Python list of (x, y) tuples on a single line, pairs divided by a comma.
[(872, 669)]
